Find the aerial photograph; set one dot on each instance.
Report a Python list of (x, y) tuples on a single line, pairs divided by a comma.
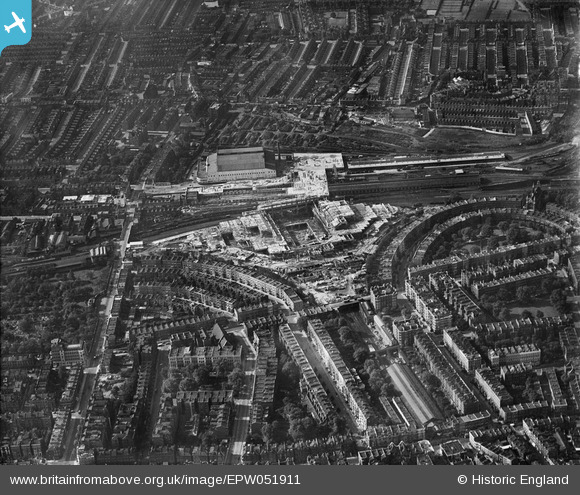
[(290, 232)]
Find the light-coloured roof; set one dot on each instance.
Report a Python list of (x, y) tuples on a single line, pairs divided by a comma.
[(239, 159)]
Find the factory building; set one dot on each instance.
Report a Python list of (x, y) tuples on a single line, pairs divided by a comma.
[(237, 164)]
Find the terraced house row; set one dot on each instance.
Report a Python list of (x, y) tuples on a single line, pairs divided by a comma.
[(310, 386), (453, 385), (262, 283), (340, 373)]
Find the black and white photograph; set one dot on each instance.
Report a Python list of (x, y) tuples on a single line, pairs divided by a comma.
[(291, 233)]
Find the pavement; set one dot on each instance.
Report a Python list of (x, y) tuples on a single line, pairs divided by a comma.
[(93, 364), (243, 405)]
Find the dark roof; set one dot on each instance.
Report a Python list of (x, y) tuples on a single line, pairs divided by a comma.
[(240, 159)]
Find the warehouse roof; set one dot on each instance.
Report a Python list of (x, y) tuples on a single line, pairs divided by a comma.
[(239, 159)]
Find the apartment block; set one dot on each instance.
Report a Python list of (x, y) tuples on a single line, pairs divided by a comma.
[(520, 354), (462, 350)]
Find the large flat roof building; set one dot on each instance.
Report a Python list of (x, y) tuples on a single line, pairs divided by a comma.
[(237, 164), (66, 354)]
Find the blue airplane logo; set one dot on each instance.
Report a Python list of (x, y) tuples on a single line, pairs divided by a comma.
[(17, 23), (16, 17)]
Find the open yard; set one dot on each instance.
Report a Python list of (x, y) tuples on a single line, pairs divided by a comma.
[(465, 141), (516, 309)]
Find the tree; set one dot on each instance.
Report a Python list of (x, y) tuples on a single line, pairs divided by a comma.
[(201, 374), (503, 295), (526, 314), (497, 308), (278, 431), (504, 314), (309, 426), (388, 390), (220, 368), (512, 235), (360, 354), (267, 433), (467, 232), (207, 440), (296, 430), (530, 393), (376, 380), (171, 385), (370, 365), (486, 230), (558, 300), (441, 251), (539, 313), (556, 296), (188, 383), (503, 226), (337, 425), (462, 325), (291, 410), (291, 372), (384, 389), (524, 294), (345, 335), (26, 324), (547, 285), (73, 322), (406, 313), (331, 323), (236, 379), (492, 242)]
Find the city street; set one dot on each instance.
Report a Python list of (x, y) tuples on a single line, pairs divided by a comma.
[(243, 409), (94, 354)]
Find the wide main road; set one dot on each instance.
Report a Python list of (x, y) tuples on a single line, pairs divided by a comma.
[(94, 353), (243, 406)]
